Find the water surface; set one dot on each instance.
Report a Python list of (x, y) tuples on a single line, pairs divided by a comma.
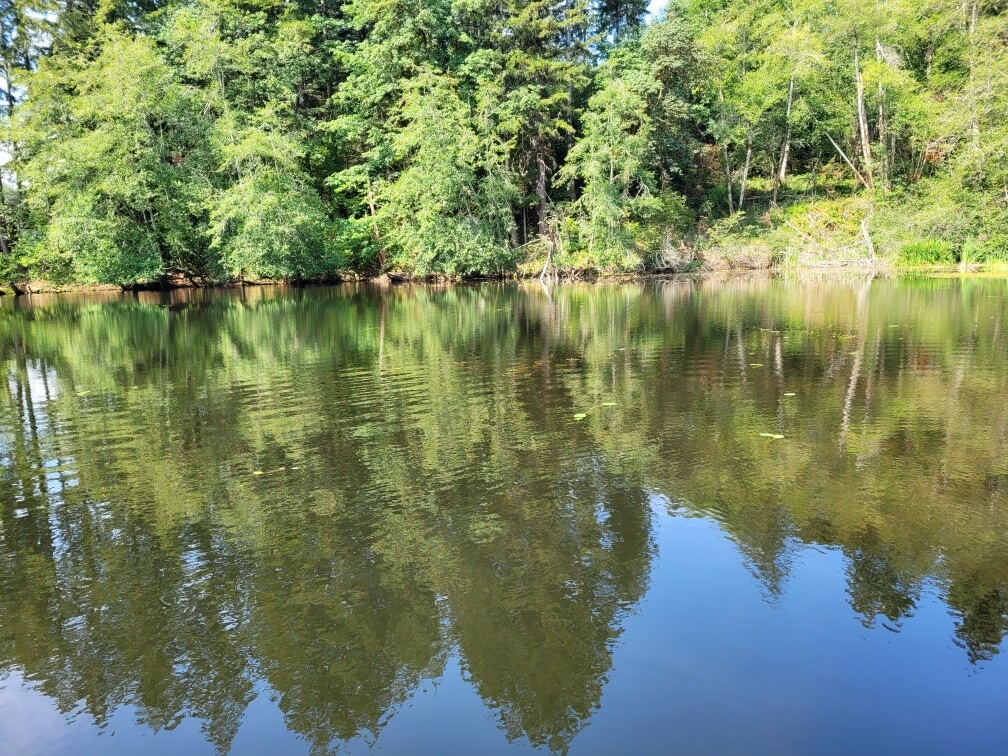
[(750, 515)]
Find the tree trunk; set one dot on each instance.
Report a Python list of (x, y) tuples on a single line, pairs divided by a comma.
[(375, 233), (727, 168), (881, 124), (9, 63), (572, 189), (862, 118), (549, 257), (540, 187), (847, 160), (868, 239), (727, 164), (745, 171), (786, 146), (974, 122)]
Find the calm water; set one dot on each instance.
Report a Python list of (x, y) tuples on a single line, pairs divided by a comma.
[(740, 516)]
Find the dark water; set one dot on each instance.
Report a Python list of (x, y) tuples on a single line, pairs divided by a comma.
[(280, 521)]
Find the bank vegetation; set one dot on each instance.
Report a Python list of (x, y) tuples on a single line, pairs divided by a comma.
[(207, 141)]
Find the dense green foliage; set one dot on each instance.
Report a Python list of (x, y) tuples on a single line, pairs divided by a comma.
[(223, 139)]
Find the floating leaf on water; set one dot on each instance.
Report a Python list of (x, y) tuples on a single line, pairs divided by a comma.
[(257, 472), (767, 435), (777, 436), (608, 404), (580, 415), (755, 364), (790, 393)]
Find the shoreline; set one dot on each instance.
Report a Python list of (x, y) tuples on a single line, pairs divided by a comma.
[(33, 288)]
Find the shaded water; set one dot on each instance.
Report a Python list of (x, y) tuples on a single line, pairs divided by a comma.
[(278, 520)]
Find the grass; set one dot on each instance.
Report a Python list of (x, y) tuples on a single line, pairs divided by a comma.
[(930, 224), (927, 252)]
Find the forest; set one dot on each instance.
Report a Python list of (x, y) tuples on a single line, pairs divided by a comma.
[(208, 141)]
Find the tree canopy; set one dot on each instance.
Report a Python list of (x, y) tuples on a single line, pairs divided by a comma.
[(243, 139)]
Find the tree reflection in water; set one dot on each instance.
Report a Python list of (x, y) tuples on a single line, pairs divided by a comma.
[(331, 492)]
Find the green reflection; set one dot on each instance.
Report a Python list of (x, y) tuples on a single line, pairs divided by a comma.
[(332, 491)]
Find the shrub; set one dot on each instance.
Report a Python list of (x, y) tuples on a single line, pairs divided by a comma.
[(972, 252), (927, 252)]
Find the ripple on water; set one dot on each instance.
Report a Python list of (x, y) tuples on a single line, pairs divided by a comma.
[(328, 496)]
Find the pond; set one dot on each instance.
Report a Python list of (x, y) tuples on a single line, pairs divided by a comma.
[(726, 515)]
